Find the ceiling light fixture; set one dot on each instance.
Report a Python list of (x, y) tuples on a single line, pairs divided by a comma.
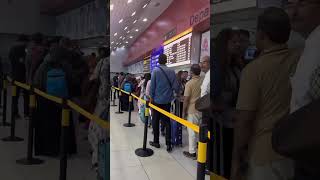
[(120, 20), (127, 42), (131, 37), (111, 7), (115, 34), (126, 28), (134, 21), (137, 30), (134, 13), (128, 32), (112, 42), (129, 1), (145, 20), (144, 6)]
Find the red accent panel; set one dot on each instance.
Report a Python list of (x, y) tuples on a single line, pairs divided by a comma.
[(177, 15)]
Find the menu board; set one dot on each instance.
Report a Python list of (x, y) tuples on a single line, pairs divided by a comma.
[(179, 51), (155, 57)]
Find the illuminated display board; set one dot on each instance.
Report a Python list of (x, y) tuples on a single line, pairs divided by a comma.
[(179, 50), (155, 57)]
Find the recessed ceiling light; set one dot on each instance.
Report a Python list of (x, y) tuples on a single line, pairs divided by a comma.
[(128, 32), (134, 21), (137, 30), (144, 6), (115, 34), (120, 20), (127, 42), (145, 20), (129, 1), (126, 28), (134, 13), (124, 38), (112, 42), (111, 7), (131, 37), (120, 37)]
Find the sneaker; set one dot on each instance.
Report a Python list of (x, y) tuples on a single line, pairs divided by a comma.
[(156, 145), (189, 155), (169, 149)]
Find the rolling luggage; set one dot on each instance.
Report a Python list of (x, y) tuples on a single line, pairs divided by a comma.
[(176, 128)]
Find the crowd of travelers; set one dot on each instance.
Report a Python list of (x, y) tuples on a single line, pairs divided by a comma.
[(57, 66)]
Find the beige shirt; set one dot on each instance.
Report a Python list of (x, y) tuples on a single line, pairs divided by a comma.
[(193, 91), (265, 88)]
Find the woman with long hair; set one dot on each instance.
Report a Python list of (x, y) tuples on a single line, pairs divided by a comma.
[(227, 61)]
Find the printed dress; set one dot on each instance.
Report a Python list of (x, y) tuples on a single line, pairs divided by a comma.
[(97, 133)]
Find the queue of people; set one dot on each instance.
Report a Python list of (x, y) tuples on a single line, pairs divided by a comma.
[(56, 66)]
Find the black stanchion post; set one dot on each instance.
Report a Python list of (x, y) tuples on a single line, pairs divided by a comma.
[(1, 91), (111, 94), (30, 160), (129, 124), (202, 152), (4, 110), (12, 137), (144, 151), (114, 97), (119, 111), (65, 123)]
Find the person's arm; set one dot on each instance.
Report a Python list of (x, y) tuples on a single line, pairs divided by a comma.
[(148, 88), (186, 101), (153, 86), (247, 105)]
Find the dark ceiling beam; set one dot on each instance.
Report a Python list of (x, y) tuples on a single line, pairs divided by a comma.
[(65, 7)]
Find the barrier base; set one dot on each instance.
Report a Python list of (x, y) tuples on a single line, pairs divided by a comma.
[(129, 125), (119, 112), (113, 105), (144, 152), (5, 124), (31, 161), (12, 139)]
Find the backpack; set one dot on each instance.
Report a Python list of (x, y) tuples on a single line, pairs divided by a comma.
[(127, 87), (57, 82)]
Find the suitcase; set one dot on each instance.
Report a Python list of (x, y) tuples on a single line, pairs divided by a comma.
[(104, 160), (176, 128)]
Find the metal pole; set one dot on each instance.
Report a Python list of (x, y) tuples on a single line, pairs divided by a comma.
[(114, 98), (119, 111), (30, 160), (4, 110), (129, 124), (65, 123), (202, 152), (12, 137), (144, 151)]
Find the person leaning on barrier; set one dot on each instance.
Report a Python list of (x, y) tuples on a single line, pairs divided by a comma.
[(264, 99), (191, 95)]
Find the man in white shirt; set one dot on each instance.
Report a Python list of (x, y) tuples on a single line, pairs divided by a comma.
[(205, 67), (305, 20)]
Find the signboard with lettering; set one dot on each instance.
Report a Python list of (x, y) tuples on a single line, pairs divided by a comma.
[(170, 34), (146, 65), (179, 51), (200, 16)]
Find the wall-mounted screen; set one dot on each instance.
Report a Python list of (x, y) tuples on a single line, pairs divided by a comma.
[(179, 51), (155, 57)]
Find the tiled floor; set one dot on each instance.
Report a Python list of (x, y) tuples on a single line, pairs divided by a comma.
[(125, 165)]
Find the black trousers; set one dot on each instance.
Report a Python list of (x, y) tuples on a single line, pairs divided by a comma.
[(25, 102), (165, 122)]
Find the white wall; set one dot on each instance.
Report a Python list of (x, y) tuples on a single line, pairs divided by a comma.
[(116, 59), (23, 16)]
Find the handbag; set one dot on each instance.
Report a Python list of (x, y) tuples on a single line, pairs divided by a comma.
[(203, 103), (296, 135)]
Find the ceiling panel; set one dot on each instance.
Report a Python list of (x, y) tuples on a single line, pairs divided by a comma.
[(56, 7), (149, 9)]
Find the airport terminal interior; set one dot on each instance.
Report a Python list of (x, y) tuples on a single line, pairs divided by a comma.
[(135, 34)]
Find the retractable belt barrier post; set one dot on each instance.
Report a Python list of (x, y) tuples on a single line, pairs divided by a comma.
[(32, 106), (12, 137), (111, 94), (65, 123), (114, 97), (119, 111), (202, 152), (144, 151), (129, 124), (4, 110), (1, 91)]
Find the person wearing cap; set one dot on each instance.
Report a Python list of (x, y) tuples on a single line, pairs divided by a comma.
[(17, 56)]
